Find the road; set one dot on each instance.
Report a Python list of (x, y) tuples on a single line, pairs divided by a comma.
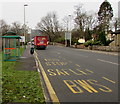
[(80, 76)]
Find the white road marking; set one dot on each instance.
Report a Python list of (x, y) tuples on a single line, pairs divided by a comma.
[(37, 66), (81, 55), (108, 62), (58, 53)]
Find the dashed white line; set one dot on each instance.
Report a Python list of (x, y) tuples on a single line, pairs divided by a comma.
[(108, 62)]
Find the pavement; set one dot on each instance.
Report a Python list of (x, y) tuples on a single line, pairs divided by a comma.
[(102, 52), (26, 61)]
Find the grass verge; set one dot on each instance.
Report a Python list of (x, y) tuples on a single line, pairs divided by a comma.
[(19, 85)]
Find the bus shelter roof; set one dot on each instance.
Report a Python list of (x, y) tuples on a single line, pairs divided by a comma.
[(12, 37)]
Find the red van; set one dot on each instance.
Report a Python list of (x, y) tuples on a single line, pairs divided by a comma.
[(40, 42)]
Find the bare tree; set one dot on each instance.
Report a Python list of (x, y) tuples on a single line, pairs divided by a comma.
[(80, 19), (92, 21), (3, 27), (66, 22), (49, 25), (16, 27)]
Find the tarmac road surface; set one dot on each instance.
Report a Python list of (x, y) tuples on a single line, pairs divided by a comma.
[(79, 76)]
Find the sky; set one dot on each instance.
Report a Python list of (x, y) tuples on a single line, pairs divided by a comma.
[(14, 9)]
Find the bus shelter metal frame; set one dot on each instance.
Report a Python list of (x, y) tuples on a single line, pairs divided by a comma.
[(11, 53)]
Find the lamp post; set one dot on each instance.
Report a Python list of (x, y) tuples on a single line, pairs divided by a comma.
[(70, 28), (24, 22)]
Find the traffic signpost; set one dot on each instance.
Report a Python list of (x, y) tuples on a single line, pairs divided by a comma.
[(67, 38)]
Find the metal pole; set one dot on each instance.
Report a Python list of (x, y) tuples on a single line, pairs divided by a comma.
[(70, 28), (24, 22), (24, 27)]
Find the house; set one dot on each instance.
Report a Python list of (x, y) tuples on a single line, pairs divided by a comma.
[(116, 41)]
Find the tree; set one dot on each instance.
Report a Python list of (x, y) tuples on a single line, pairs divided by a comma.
[(102, 38), (88, 34), (105, 14), (80, 20), (50, 26), (66, 22), (92, 21), (16, 27), (84, 22), (3, 27)]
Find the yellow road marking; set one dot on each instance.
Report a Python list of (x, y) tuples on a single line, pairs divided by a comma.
[(89, 70), (51, 91), (108, 79), (45, 59), (77, 65), (102, 87), (70, 61), (72, 86)]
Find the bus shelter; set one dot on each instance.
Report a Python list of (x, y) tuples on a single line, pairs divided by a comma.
[(11, 47)]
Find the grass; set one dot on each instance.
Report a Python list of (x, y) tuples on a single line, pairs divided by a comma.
[(19, 85)]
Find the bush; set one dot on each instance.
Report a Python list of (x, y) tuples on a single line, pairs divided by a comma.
[(73, 41), (87, 43), (60, 40), (96, 42), (91, 42)]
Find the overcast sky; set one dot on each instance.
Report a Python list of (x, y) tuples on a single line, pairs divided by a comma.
[(14, 9)]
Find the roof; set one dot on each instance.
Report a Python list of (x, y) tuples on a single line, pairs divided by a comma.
[(116, 32), (12, 37)]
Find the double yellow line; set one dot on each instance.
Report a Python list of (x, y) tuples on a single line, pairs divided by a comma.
[(51, 91)]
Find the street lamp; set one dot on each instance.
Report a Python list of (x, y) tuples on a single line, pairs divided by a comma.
[(70, 27), (24, 21), (69, 22)]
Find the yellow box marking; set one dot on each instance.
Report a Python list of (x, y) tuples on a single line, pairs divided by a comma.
[(108, 80)]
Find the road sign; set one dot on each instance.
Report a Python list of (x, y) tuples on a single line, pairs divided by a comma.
[(22, 39), (68, 36)]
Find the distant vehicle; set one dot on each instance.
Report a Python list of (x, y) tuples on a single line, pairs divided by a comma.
[(29, 43), (40, 42), (32, 43)]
